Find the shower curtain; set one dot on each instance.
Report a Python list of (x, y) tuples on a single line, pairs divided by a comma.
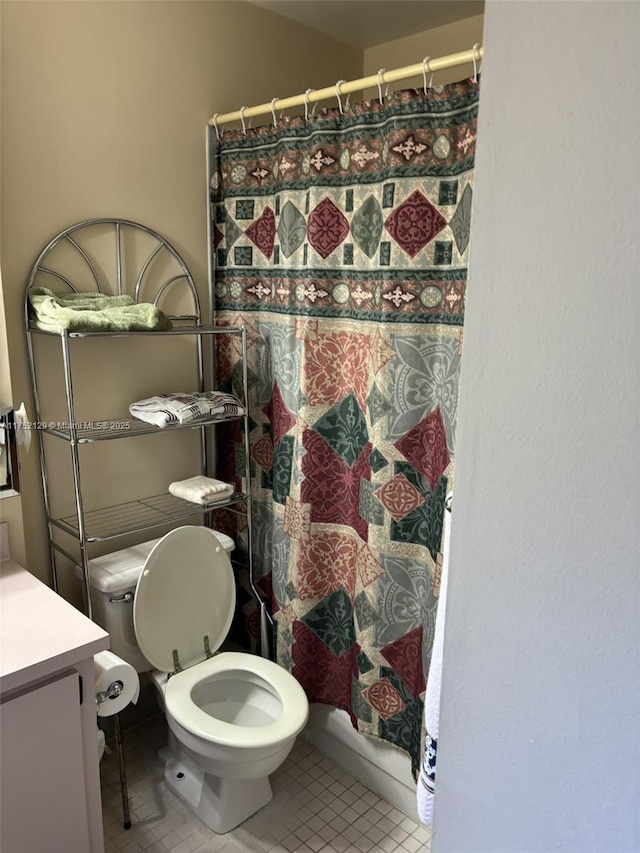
[(340, 242)]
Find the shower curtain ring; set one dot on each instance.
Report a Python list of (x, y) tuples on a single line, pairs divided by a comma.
[(380, 73), (244, 126), (475, 62), (338, 84), (273, 111), (425, 68), (306, 103), (215, 125)]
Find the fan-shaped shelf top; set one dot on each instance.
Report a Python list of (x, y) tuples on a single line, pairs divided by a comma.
[(117, 257)]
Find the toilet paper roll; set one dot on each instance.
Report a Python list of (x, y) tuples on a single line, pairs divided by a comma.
[(111, 670)]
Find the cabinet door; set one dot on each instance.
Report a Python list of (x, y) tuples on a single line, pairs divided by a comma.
[(42, 793)]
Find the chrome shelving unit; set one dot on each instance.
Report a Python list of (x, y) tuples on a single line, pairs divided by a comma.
[(111, 522), (133, 254)]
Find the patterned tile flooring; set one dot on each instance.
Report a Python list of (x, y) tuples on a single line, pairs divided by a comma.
[(316, 808)]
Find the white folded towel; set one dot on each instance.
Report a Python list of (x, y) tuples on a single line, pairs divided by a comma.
[(427, 775), (201, 490), (178, 408)]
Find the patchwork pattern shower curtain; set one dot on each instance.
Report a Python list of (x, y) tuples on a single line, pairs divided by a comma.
[(341, 244)]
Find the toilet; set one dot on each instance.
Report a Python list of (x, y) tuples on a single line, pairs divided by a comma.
[(233, 717)]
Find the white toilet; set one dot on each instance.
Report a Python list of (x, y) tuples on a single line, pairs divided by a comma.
[(233, 716)]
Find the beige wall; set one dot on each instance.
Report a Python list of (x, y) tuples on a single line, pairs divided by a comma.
[(439, 41), (104, 107)]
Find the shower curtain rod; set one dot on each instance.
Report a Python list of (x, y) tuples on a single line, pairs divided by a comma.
[(427, 66)]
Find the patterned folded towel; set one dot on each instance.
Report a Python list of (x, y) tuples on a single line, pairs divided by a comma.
[(93, 312), (181, 408), (201, 490)]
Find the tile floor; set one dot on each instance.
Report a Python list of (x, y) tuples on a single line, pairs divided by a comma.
[(316, 808)]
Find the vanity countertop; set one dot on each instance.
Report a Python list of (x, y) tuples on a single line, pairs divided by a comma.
[(40, 632)]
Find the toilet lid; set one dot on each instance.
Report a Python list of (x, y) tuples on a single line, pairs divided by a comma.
[(186, 591)]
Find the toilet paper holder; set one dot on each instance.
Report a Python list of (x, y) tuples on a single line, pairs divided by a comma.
[(112, 692)]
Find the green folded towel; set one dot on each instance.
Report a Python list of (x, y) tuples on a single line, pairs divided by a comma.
[(93, 312)]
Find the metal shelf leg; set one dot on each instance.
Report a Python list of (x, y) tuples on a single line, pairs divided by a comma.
[(126, 819)]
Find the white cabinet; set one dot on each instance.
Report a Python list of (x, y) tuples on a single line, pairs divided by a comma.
[(49, 773), (44, 804)]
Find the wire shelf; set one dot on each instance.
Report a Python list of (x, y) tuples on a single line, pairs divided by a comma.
[(124, 427), (110, 522), (143, 333)]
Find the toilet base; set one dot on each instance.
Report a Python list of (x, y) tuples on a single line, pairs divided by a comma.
[(222, 804)]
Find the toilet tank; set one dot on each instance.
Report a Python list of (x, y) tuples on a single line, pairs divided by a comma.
[(113, 579)]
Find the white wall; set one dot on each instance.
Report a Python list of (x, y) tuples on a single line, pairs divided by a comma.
[(540, 731)]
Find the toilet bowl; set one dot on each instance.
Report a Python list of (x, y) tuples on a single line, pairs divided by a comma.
[(233, 717)]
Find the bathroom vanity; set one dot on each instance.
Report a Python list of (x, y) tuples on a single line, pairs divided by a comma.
[(49, 776)]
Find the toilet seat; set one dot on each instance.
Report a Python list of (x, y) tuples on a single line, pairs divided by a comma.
[(186, 592), (181, 706)]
